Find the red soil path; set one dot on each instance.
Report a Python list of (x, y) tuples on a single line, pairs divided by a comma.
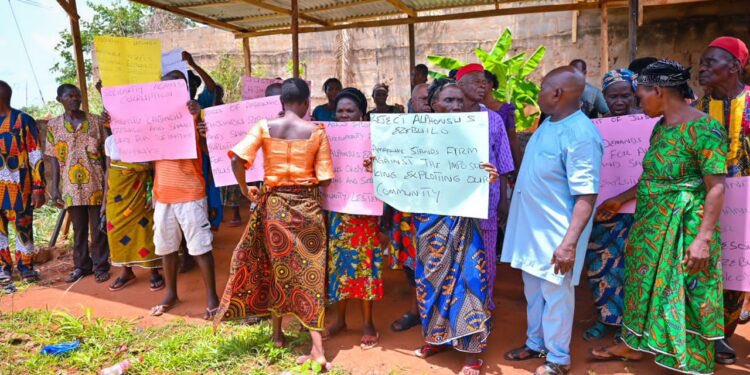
[(395, 350)]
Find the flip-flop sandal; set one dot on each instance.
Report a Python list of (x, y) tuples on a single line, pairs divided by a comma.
[(304, 358), (159, 310), (608, 356), (156, 283), (368, 341), (515, 354), (101, 277), (477, 366), (551, 368), (120, 283), (9, 288), (405, 322), (725, 355), (596, 332), (210, 313), (30, 276), (428, 350)]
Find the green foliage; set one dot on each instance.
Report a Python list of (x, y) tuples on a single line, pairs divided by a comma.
[(175, 348), (228, 73), (512, 74), (290, 68)]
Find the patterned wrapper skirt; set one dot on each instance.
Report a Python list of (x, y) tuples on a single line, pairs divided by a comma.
[(355, 258), (606, 266), (279, 265), (403, 251), (451, 276), (130, 224)]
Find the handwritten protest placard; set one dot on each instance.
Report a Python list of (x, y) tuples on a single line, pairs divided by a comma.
[(626, 140), (351, 190), (124, 61), (735, 234), (151, 121), (226, 126), (254, 87), (429, 163), (172, 60)]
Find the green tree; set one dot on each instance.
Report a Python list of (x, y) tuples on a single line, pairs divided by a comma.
[(228, 74), (117, 19)]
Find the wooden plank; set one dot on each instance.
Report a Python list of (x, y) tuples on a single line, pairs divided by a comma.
[(402, 7), (67, 8), (421, 19), (204, 5), (604, 34), (632, 29), (412, 48), (246, 54), (277, 9), (75, 29), (295, 39), (574, 27), (193, 16)]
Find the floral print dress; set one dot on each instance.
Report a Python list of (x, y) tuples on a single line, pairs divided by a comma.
[(355, 258)]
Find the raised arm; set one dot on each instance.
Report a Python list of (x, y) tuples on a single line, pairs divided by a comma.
[(210, 84)]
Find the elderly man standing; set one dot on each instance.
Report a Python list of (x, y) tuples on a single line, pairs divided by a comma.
[(75, 142), (21, 188), (721, 67), (550, 218)]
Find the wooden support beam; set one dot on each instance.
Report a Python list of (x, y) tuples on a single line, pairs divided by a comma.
[(341, 6), (632, 29), (295, 39), (246, 54), (640, 13), (278, 9), (604, 39), (421, 19), (68, 9), (398, 4), (574, 27), (193, 16), (204, 5), (75, 30), (412, 49)]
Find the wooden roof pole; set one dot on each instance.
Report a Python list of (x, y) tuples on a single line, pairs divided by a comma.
[(633, 29), (412, 49), (604, 38), (70, 7), (246, 54), (295, 39)]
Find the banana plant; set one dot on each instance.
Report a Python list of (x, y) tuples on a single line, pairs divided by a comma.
[(512, 73)]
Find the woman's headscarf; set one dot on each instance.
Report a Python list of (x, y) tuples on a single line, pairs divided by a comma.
[(667, 73), (378, 87), (356, 96), (438, 86), (619, 75)]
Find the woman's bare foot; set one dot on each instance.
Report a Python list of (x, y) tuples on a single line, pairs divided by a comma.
[(279, 341), (616, 352)]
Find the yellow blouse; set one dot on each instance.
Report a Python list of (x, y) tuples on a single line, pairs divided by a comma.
[(288, 162)]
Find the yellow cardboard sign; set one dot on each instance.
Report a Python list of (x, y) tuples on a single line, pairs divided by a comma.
[(124, 61)]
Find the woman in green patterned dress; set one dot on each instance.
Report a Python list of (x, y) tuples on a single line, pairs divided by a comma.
[(673, 304)]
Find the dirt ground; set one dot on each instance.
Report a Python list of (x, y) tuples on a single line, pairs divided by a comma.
[(393, 356)]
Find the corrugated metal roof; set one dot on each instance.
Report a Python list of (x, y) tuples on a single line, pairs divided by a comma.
[(265, 17)]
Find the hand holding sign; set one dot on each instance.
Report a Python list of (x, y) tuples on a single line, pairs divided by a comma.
[(432, 163)]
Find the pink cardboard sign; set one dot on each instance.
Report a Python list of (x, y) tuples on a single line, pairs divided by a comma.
[(626, 140), (227, 125), (735, 234), (351, 190), (151, 121), (254, 87)]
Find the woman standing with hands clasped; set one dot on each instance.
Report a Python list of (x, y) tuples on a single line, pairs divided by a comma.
[(673, 285)]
